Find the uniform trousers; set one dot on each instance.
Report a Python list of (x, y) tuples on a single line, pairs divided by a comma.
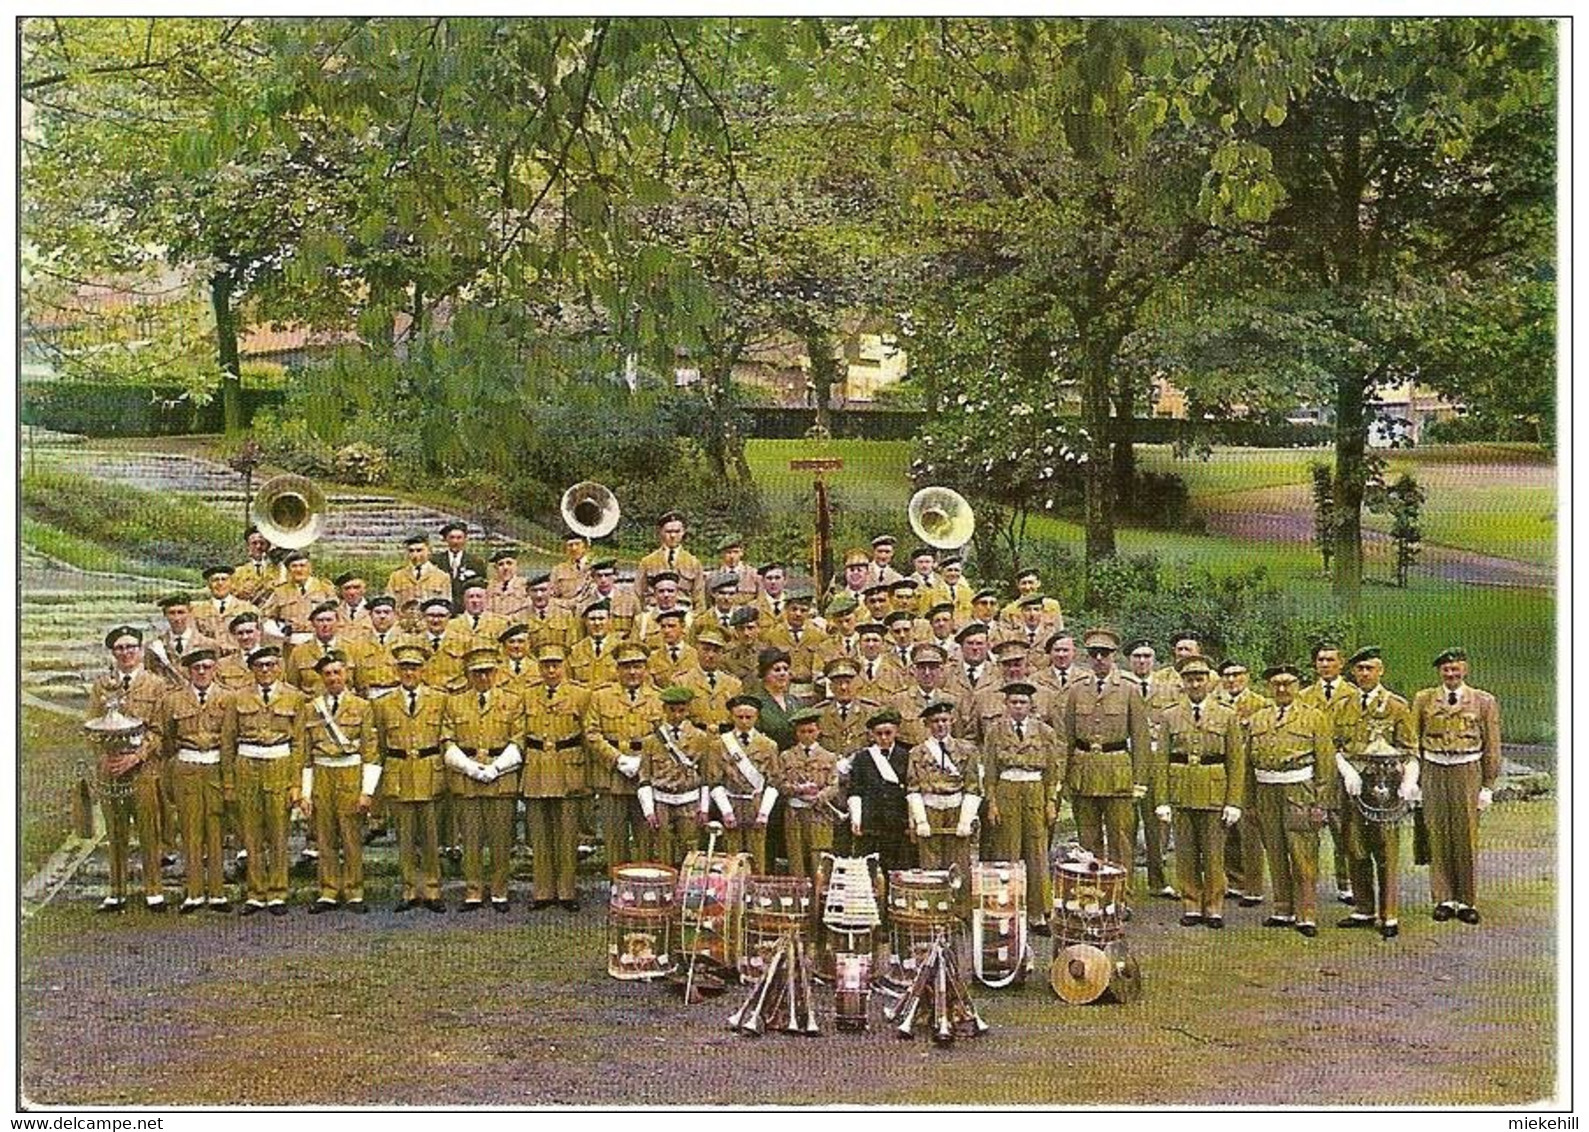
[(262, 793), (1246, 854), (1200, 860), (1152, 838), (554, 837), (1293, 852), (1021, 834), (1451, 813), (808, 833), (623, 820), (486, 825), (140, 810), (1106, 825), (339, 829), (418, 848), (201, 807), (1373, 852)]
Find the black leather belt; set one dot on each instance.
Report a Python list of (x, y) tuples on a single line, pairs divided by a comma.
[(1177, 758), (1101, 748), (627, 744), (488, 752), (420, 753), (559, 745)]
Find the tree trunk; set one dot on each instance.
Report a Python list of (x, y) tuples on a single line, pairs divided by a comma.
[(1351, 442), (226, 349), (1124, 455), (1100, 498)]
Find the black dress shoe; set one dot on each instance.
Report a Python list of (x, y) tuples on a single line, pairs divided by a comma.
[(111, 904), (1468, 915), (541, 905), (404, 905), (1443, 912), (470, 906), (187, 908), (220, 905), (1280, 922), (320, 906), (1166, 892), (1215, 922), (158, 907), (358, 907), (276, 909), (1308, 930), (1389, 931), (250, 909), (1040, 930), (1125, 915), (1250, 901), (500, 906), (570, 905), (1345, 896), (437, 905), (1191, 920), (1355, 922)]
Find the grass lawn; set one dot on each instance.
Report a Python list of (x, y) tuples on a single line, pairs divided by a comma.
[(873, 478), (49, 756)]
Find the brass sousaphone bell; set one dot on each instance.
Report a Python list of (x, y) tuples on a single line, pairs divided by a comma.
[(590, 509), (942, 518), (290, 511)]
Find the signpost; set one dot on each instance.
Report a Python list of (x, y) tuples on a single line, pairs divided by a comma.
[(822, 551)]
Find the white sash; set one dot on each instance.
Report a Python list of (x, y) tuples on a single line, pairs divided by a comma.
[(884, 767), (678, 756), (944, 760), (742, 761), (337, 736)]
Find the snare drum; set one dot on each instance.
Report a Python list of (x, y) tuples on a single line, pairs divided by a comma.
[(852, 989), (1088, 901), (640, 922), (999, 952), (775, 906), (922, 908), (710, 898)]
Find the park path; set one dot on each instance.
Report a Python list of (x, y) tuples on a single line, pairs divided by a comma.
[(1285, 514)]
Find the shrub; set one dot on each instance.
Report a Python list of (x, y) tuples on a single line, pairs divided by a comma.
[(142, 526), (360, 463)]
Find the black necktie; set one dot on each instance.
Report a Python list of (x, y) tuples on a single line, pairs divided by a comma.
[(203, 692), (518, 667), (335, 700), (126, 682), (482, 701), (677, 738), (1281, 717), (777, 608), (504, 587), (417, 571), (844, 712), (673, 651), (1144, 684), (550, 692), (871, 670), (1365, 700), (795, 633), (596, 643), (1100, 687), (672, 554), (1064, 679), (474, 622), (1020, 730), (1452, 699), (711, 680), (303, 588), (634, 694), (744, 740), (1329, 690), (220, 606), (265, 695), (413, 701), (435, 644), (1197, 713)]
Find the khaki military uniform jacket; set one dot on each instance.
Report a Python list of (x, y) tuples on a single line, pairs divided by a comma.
[(976, 713), (213, 621), (1454, 732), (517, 675), (881, 679), (1387, 716), (374, 670), (175, 650), (910, 702), (570, 580), (646, 631), (409, 590), (835, 647), (663, 667), (709, 708), (740, 659), (482, 630), (1107, 737), (1039, 749), (1046, 676), (482, 735), (1301, 740), (1052, 620), (354, 717), (445, 668), (249, 720), (188, 725), (511, 598), (930, 772), (252, 581), (409, 746), (590, 669), (298, 666), (845, 730), (551, 626), (1202, 763), (554, 741), (353, 624), (290, 604), (723, 769), (1244, 703), (800, 770), (232, 672), (804, 654), (710, 619), (672, 767), (958, 681), (692, 575), (1314, 694), (616, 725), (623, 606)]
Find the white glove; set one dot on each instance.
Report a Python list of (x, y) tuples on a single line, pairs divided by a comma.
[(855, 815), (454, 758), (509, 759), (1231, 815), (1139, 792), (1162, 813), (1409, 791), (371, 778), (629, 765), (486, 774), (842, 767), (1350, 779), (306, 783), (918, 815), (969, 805), (1486, 796), (923, 829), (648, 801)]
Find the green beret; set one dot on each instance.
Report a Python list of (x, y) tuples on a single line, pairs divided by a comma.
[(335, 656), (242, 619), (842, 604), (323, 607), (264, 652), (871, 627), (194, 656), (121, 631), (1286, 671), (1449, 655), (380, 601), (677, 694), (212, 571), (937, 707), (887, 715), (728, 542), (345, 577), (744, 699), (971, 630), (1367, 652), (804, 715), (1193, 666), (1019, 688), (175, 599)]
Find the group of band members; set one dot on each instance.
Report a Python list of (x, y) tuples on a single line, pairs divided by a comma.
[(918, 717)]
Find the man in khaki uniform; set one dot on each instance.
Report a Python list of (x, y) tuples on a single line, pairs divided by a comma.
[(301, 659), (806, 776), (1459, 745), (956, 591), (876, 602), (339, 781), (1060, 670), (139, 693), (671, 655), (446, 644), (1201, 776), (771, 582), (252, 580), (852, 582), (878, 676), (925, 687), (943, 791), (731, 560), (180, 635), (672, 794), (902, 629), (623, 602), (213, 615), (1110, 756), (231, 670), (723, 591), (518, 671), (924, 572), (1324, 693), (973, 671), (737, 775), (1028, 586), (941, 629), (592, 660), (287, 609), (843, 638), (619, 718), (1244, 853), (374, 659), (190, 719), (421, 579), (482, 732), (479, 627), (739, 659), (1024, 764), (549, 624), (1159, 696), (262, 758), (1291, 754), (882, 568), (671, 557), (977, 711), (1370, 716), (554, 778), (843, 715), (711, 688), (793, 632), (509, 591), (570, 578), (353, 612), (408, 725)]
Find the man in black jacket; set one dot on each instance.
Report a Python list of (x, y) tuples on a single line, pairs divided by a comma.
[(877, 793)]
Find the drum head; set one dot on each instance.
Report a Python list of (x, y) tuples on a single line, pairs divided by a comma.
[(1079, 974), (1125, 973)]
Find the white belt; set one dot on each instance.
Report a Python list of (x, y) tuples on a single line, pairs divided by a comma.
[(799, 804), (945, 801), (208, 757), (344, 760), (1283, 777), (688, 798), (1444, 758), (264, 750), (377, 693), (1020, 774), (742, 797)]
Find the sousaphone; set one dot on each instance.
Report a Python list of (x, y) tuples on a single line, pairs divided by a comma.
[(942, 518), (290, 511), (590, 509)]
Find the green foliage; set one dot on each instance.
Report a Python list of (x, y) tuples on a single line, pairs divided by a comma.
[(1323, 511), (1403, 501), (142, 526)]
